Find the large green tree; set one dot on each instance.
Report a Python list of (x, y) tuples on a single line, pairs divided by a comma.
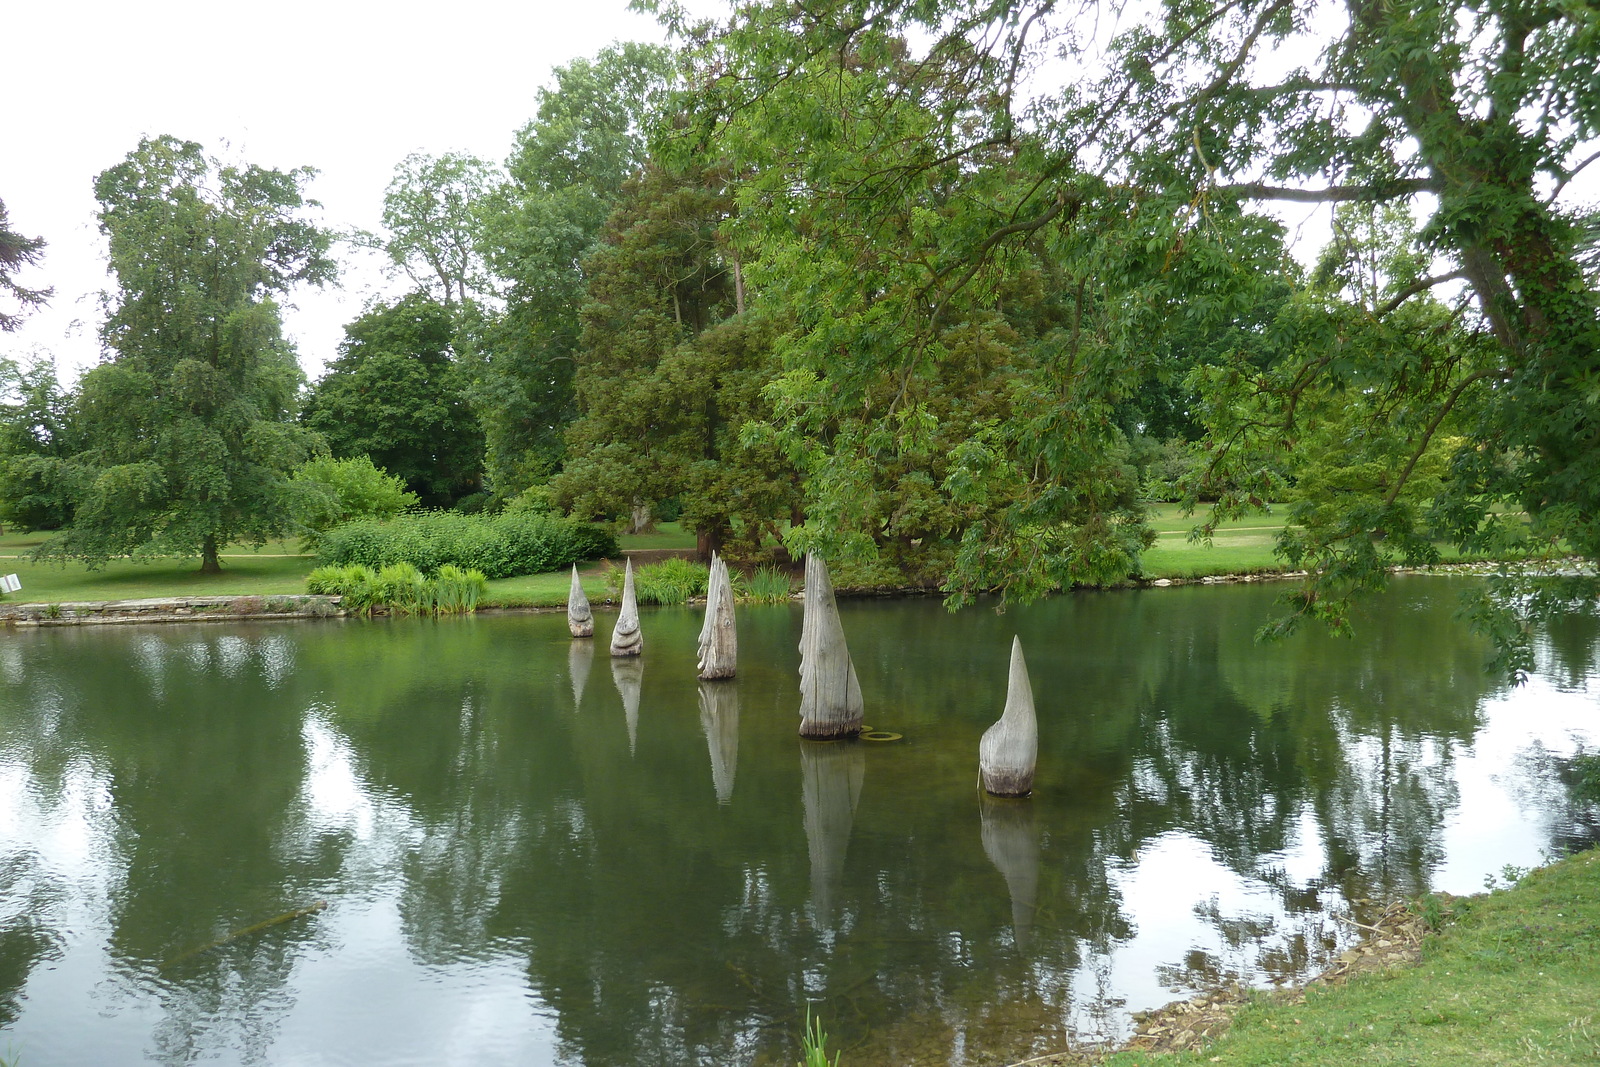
[(398, 395), (187, 429), (669, 372), (1148, 138), (588, 137), (36, 440)]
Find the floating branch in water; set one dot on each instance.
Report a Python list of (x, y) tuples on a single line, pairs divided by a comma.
[(1009, 750), (626, 639), (580, 619), (719, 638), (253, 928), (830, 696)]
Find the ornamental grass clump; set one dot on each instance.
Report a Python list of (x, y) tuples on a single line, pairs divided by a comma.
[(768, 585), (672, 581), (401, 589)]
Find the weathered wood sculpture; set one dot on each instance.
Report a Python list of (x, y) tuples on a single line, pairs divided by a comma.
[(580, 620), (1009, 749), (719, 638), (626, 640), (580, 660), (830, 696), (830, 777), (1011, 841), (719, 717), (627, 672)]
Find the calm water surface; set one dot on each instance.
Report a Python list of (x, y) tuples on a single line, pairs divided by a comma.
[(531, 854)]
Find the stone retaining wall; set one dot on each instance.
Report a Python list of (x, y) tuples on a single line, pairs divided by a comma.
[(170, 609)]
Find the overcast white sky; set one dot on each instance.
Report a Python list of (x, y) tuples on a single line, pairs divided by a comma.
[(346, 86)]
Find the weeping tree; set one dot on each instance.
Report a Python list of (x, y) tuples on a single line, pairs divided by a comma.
[(187, 428)]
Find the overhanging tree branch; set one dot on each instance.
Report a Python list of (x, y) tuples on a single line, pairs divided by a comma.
[(1333, 194)]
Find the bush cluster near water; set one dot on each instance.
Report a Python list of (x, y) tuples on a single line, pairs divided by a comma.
[(503, 546), (401, 588)]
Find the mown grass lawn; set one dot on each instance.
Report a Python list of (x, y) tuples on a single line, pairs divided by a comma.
[(1514, 978)]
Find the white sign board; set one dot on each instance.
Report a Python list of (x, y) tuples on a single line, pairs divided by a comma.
[(10, 584)]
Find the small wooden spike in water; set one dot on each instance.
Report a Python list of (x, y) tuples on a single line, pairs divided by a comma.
[(830, 696), (580, 620), (1009, 749), (719, 638), (626, 640)]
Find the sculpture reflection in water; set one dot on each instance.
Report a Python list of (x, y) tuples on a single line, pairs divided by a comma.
[(580, 660), (1011, 841), (719, 717), (628, 674), (830, 787)]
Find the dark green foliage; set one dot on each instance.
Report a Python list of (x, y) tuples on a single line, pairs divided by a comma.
[(397, 395), (565, 174), (669, 373), (500, 547), (17, 252), (36, 438)]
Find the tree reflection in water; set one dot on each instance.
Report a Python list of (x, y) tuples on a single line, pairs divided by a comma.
[(571, 884)]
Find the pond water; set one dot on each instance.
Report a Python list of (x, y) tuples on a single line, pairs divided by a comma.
[(532, 854)]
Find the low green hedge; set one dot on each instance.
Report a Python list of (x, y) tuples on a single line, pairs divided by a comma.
[(504, 546)]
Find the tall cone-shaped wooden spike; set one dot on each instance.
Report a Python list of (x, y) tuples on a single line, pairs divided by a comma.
[(626, 640), (580, 620), (830, 696), (719, 639), (1010, 748)]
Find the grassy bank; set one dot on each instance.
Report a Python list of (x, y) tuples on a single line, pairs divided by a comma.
[(1241, 547), (1512, 977)]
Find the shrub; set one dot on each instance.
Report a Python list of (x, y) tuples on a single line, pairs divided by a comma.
[(499, 547), (672, 581), (457, 591), (330, 491)]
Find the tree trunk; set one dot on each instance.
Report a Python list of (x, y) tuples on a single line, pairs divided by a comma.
[(209, 563)]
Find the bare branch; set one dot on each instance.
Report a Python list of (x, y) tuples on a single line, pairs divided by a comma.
[(1333, 194), (1414, 288)]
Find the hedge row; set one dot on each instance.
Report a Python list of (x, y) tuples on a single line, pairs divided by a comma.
[(505, 545)]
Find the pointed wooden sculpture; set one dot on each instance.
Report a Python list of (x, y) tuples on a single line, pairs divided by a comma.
[(719, 639), (719, 717), (1011, 841), (627, 673), (830, 696), (830, 789), (1010, 748), (626, 640), (580, 659), (580, 620)]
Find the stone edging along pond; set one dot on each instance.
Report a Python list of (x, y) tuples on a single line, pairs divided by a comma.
[(170, 609), (306, 606)]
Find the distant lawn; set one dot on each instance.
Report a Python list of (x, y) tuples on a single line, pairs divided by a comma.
[(667, 535), (1169, 519), (121, 580)]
